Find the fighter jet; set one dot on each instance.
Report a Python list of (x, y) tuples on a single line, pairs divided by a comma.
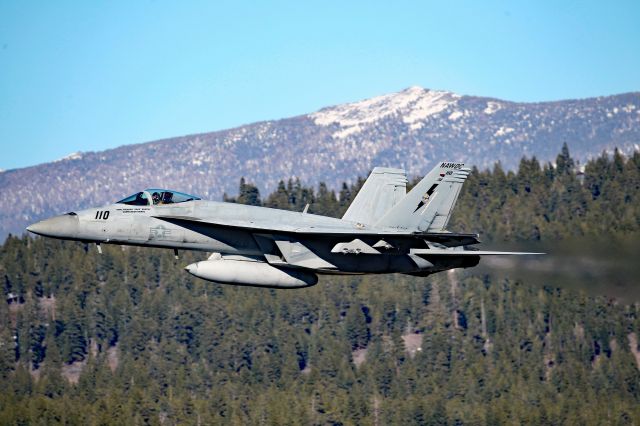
[(385, 230)]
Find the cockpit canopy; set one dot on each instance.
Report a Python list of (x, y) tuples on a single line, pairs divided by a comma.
[(157, 197)]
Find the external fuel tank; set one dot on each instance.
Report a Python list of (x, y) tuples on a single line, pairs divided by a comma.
[(240, 270)]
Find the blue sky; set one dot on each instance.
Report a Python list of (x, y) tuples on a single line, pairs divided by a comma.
[(86, 76)]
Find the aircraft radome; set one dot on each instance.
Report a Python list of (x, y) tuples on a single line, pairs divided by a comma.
[(385, 230)]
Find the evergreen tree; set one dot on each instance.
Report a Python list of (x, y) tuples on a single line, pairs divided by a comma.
[(248, 194), (564, 163)]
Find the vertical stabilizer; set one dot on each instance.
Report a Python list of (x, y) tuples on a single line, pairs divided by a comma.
[(428, 206), (383, 189)]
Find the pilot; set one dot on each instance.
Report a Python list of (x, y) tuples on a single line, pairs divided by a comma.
[(140, 200), (167, 197), (156, 198)]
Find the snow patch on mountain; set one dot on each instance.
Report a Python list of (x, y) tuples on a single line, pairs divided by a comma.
[(429, 103), (455, 115), (347, 131), (414, 104), (72, 156), (503, 131), (492, 107)]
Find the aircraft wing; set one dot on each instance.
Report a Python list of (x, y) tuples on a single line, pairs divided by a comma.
[(443, 252), (238, 224), (293, 249), (447, 239), (255, 226)]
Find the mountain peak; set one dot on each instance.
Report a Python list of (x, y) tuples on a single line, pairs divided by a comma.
[(413, 103)]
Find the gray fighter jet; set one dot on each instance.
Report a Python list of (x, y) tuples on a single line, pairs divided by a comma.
[(385, 230)]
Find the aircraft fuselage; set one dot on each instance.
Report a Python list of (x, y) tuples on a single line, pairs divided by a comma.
[(144, 226)]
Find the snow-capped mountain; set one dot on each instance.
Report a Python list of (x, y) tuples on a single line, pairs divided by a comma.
[(413, 128), (413, 105)]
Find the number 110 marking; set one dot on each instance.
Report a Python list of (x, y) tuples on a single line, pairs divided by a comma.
[(102, 214)]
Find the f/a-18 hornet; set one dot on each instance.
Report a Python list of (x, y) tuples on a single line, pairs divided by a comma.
[(385, 230)]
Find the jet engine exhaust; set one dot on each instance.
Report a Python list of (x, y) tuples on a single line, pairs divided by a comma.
[(249, 272)]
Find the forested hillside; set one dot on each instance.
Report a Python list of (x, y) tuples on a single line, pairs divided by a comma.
[(127, 337)]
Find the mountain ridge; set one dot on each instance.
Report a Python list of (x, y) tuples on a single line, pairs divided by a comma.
[(196, 134), (412, 128)]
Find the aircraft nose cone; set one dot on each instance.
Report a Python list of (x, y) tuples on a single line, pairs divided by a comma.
[(64, 226), (39, 228), (192, 268)]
